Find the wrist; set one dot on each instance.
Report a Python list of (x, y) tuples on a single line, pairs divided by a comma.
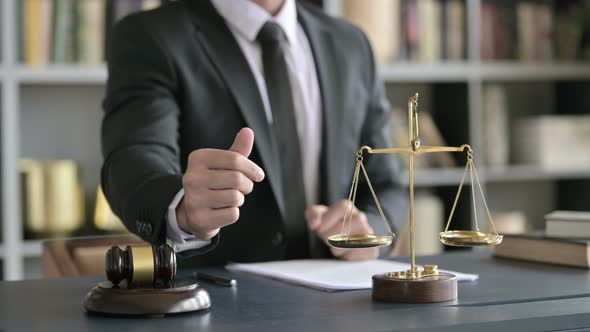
[(181, 217), (184, 221)]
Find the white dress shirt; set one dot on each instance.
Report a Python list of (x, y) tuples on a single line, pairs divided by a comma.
[(245, 19)]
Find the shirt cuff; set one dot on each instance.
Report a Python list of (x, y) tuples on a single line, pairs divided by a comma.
[(178, 239)]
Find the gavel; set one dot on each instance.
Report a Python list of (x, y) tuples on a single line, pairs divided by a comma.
[(141, 265)]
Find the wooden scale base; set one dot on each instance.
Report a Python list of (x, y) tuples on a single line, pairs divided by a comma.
[(440, 287), (182, 296)]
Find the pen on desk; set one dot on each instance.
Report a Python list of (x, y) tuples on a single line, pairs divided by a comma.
[(228, 282)]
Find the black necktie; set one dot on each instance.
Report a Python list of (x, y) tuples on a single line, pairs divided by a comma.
[(272, 40)]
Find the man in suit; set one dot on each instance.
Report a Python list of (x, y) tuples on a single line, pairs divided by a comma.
[(185, 78)]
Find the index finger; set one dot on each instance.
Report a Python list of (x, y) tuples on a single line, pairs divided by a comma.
[(233, 161)]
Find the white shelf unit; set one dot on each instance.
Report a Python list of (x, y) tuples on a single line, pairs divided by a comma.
[(56, 75), (483, 72), (32, 248), (63, 91)]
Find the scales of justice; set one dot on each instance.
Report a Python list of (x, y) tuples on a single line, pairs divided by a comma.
[(418, 284)]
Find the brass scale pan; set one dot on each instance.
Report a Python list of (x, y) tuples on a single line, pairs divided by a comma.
[(449, 238), (469, 238), (351, 241)]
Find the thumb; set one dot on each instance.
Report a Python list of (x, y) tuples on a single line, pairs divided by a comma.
[(313, 215), (243, 142)]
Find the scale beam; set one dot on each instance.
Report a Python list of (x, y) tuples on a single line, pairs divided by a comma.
[(420, 151)]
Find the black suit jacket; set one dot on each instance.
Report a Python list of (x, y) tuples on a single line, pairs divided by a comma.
[(178, 82)]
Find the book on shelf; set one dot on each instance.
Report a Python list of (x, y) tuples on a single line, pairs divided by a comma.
[(553, 142), (35, 45), (430, 211), (411, 28), (429, 15), (526, 27), (453, 30), (573, 224), (544, 30), (488, 23), (70, 31), (80, 256), (377, 20), (537, 247), (91, 31), (32, 192), (425, 30), (512, 30), (53, 200), (63, 45), (510, 222), (534, 30), (572, 30), (496, 133), (52, 197), (104, 218)]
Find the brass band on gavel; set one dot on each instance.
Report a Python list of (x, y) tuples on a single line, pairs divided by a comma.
[(141, 265)]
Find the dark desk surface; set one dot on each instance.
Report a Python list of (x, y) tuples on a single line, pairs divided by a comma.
[(509, 295)]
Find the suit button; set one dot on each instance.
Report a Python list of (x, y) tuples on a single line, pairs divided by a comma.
[(277, 239), (143, 227)]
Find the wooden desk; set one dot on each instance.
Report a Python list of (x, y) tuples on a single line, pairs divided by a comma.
[(510, 295)]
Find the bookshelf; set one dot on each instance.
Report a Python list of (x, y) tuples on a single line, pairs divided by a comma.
[(71, 95)]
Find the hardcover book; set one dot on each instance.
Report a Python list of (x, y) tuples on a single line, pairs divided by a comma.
[(538, 247)]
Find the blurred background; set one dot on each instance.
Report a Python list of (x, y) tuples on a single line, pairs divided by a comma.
[(511, 78)]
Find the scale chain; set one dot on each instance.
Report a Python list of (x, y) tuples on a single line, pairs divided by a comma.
[(470, 166), (475, 214), (351, 196), (376, 200), (485, 204), (347, 221)]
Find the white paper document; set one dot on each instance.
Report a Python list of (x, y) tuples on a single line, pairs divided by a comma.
[(329, 274)]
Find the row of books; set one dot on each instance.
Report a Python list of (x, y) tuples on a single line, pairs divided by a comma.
[(53, 200), (70, 31), (565, 241), (411, 30), (555, 142), (535, 30), (433, 30)]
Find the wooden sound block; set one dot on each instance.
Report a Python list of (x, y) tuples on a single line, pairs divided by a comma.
[(440, 288), (182, 296)]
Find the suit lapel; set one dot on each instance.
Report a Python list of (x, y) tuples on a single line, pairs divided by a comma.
[(327, 69), (227, 57)]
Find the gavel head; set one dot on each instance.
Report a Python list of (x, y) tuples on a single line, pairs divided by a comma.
[(141, 265)]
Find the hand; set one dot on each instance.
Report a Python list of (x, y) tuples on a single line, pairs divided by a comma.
[(214, 185), (326, 221)]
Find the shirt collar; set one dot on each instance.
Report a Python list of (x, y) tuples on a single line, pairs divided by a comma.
[(247, 18)]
